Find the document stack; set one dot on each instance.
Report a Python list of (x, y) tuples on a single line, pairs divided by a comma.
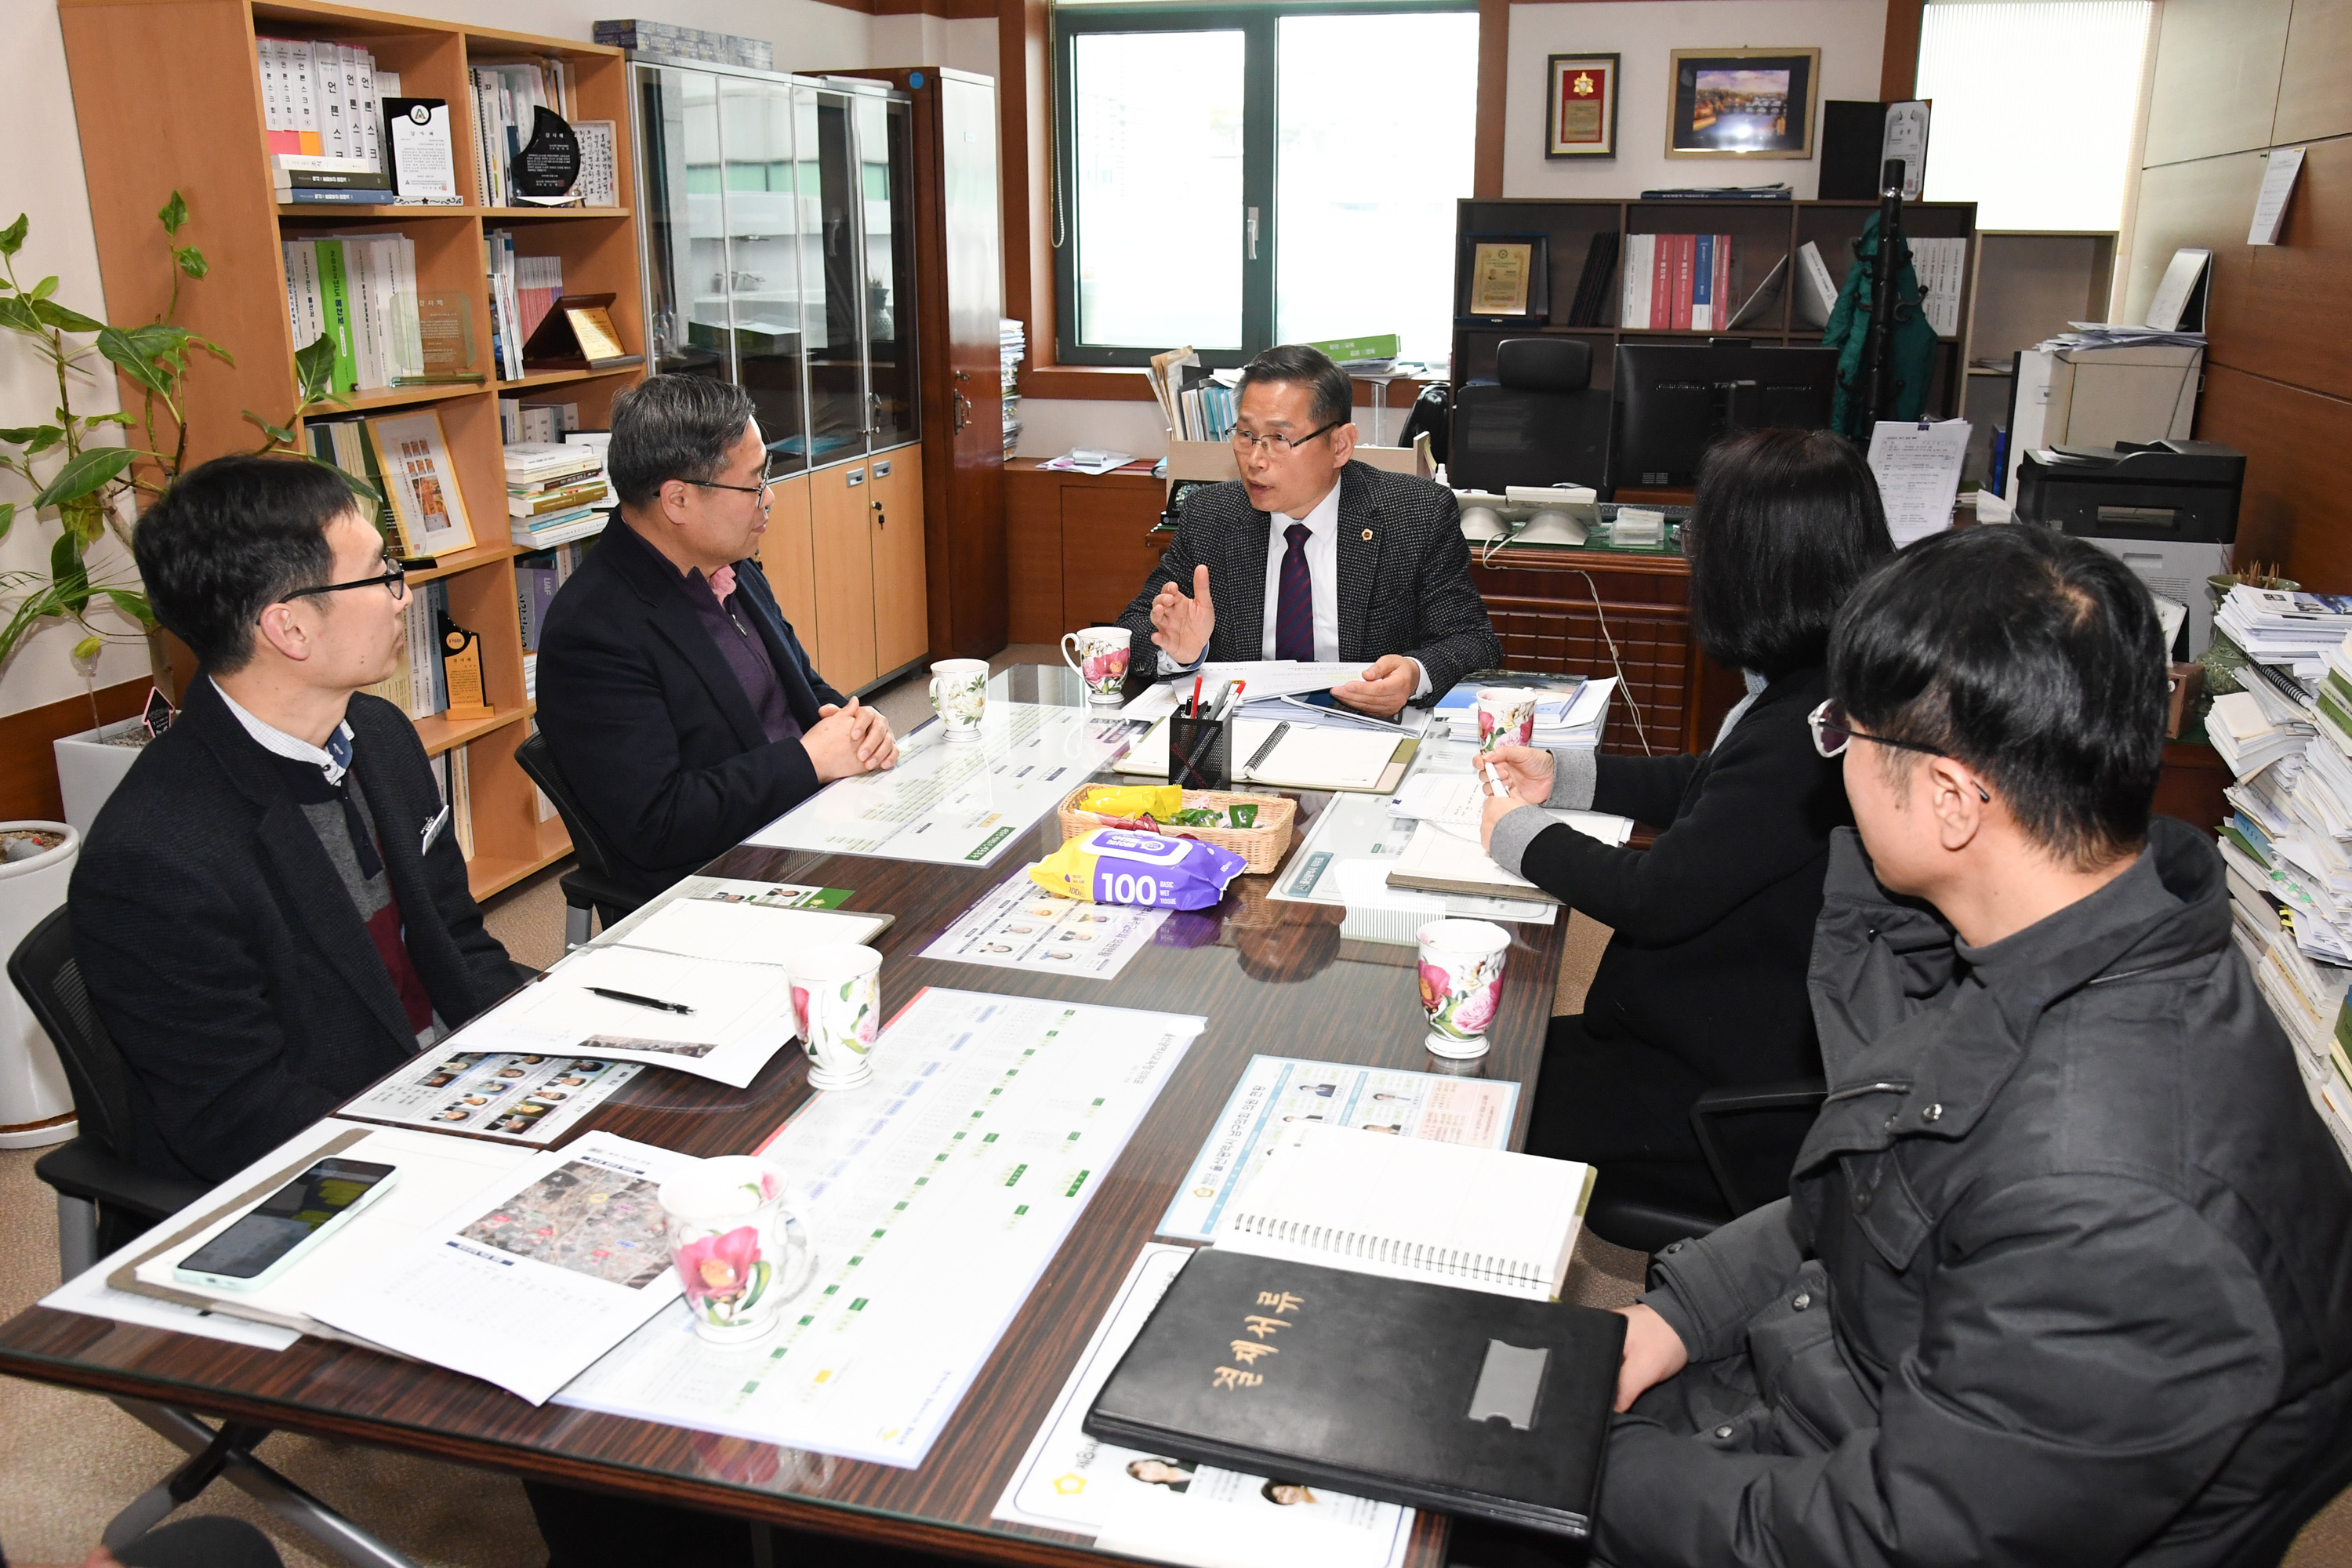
[(2297, 631), (360, 290), (319, 106), (1570, 711), (1013, 339), (555, 493), (2286, 849)]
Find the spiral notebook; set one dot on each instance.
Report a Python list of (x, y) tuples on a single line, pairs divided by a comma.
[(1410, 1209)]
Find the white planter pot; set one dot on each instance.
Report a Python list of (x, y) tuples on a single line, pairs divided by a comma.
[(89, 767), (36, 1105)]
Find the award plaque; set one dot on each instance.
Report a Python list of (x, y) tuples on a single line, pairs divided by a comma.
[(548, 165), (158, 715), (461, 661)]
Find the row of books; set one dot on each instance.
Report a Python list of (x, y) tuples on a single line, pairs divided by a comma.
[(1678, 282), (455, 780), (1207, 411), (360, 290), (420, 687), (522, 420), (1013, 345), (504, 98), (522, 289), (537, 578), (320, 99)]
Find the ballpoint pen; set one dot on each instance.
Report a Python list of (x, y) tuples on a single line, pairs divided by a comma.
[(633, 1000)]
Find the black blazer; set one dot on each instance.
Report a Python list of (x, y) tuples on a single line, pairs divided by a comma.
[(225, 957), (1404, 576), (1713, 922), (648, 723)]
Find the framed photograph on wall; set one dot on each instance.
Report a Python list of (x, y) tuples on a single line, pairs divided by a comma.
[(1505, 278), (1742, 103), (1583, 120)]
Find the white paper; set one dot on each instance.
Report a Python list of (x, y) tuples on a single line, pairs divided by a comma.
[(2172, 292), (533, 1277), (1069, 1481), (1458, 802), (2278, 184), (90, 1294), (435, 1174), (1019, 925), (1083, 461), (1275, 1094), (746, 932), (743, 1013), (423, 160), (1345, 860), (1277, 677), (935, 1196), (1918, 470), (1941, 266), (1308, 756), (1436, 853), (527, 1098), (957, 802)]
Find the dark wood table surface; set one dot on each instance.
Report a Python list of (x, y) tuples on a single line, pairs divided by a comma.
[(1271, 976)]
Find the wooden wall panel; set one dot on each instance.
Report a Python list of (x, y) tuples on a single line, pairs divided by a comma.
[(2216, 77), (2298, 447), (2208, 203), (2313, 100), (2292, 316)]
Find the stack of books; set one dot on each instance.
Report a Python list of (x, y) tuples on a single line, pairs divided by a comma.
[(360, 290), (1013, 338), (319, 108), (2276, 626), (555, 493), (688, 43), (1570, 711), (2251, 735)]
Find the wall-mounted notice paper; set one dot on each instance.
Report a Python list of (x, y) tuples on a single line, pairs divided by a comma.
[(2278, 184), (1919, 469)]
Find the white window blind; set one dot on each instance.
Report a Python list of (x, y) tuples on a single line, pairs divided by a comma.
[(2035, 101)]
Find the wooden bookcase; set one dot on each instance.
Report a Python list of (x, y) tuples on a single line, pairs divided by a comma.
[(168, 97), (1762, 232)]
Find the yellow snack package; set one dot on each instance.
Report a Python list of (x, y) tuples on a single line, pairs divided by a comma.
[(1159, 802)]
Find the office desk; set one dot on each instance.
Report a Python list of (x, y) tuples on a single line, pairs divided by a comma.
[(1276, 978)]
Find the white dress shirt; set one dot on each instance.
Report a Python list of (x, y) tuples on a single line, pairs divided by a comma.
[(270, 738)]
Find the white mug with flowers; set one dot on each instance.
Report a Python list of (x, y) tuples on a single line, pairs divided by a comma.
[(741, 1251), (1461, 984)]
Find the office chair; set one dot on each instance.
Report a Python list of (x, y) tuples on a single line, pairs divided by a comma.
[(103, 1200), (592, 884), (1750, 1135), (1539, 421)]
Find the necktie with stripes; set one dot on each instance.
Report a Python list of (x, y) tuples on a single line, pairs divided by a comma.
[(1294, 618)]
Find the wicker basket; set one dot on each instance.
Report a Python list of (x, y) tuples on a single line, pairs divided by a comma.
[(1260, 847)]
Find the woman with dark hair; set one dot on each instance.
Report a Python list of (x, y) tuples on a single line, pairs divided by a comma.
[(1703, 984)]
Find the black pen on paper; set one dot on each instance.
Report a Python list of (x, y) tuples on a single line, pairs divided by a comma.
[(637, 1001)]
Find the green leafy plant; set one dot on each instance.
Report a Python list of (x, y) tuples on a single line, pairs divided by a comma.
[(86, 479)]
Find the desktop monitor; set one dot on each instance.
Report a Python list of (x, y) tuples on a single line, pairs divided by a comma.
[(1673, 401)]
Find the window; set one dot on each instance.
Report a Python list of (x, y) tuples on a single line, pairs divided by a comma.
[(1233, 178), (2035, 101)]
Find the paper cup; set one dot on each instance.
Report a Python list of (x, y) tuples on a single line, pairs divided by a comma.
[(1099, 656), (1461, 984), (960, 695), (1506, 716), (837, 1011), (740, 1250)]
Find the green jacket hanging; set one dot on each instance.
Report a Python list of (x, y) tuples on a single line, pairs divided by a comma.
[(1911, 352)]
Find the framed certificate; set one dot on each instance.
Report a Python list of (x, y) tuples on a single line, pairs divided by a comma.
[(1581, 122), (1742, 103), (1505, 278)]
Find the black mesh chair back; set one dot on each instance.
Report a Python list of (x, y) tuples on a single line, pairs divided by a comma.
[(44, 972), (594, 850), (1539, 421)]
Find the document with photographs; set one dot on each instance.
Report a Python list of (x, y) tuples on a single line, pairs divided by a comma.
[(532, 1279), (1159, 1506), (1019, 925), (935, 1197), (710, 1016), (957, 802), (1278, 1092), (526, 1096)]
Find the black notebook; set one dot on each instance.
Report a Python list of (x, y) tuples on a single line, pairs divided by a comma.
[(1460, 1401)]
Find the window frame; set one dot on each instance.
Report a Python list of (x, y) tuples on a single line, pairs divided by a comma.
[(1259, 25)]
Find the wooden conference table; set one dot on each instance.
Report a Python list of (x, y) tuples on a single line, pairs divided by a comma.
[(1271, 976)]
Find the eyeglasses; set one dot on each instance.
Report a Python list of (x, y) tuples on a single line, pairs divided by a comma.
[(1832, 733), (1281, 445), (394, 580), (767, 482)]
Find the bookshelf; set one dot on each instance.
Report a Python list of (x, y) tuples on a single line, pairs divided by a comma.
[(1762, 232), (193, 101)]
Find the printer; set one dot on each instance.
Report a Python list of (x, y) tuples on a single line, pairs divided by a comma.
[(2168, 510)]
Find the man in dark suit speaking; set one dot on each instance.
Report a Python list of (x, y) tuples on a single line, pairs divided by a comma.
[(1315, 556), (672, 690)]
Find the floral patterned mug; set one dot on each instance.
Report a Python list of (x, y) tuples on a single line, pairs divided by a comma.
[(1506, 716), (836, 1011), (1099, 656), (741, 1251), (960, 695), (1461, 984)]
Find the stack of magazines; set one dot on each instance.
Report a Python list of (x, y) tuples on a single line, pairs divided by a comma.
[(2276, 626)]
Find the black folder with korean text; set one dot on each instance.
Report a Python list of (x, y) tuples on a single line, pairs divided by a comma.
[(1462, 1401)]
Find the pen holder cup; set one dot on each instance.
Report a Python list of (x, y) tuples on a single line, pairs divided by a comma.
[(1200, 753)]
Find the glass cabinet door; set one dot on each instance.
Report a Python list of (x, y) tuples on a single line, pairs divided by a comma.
[(763, 268), (886, 170), (834, 318), (690, 322)]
